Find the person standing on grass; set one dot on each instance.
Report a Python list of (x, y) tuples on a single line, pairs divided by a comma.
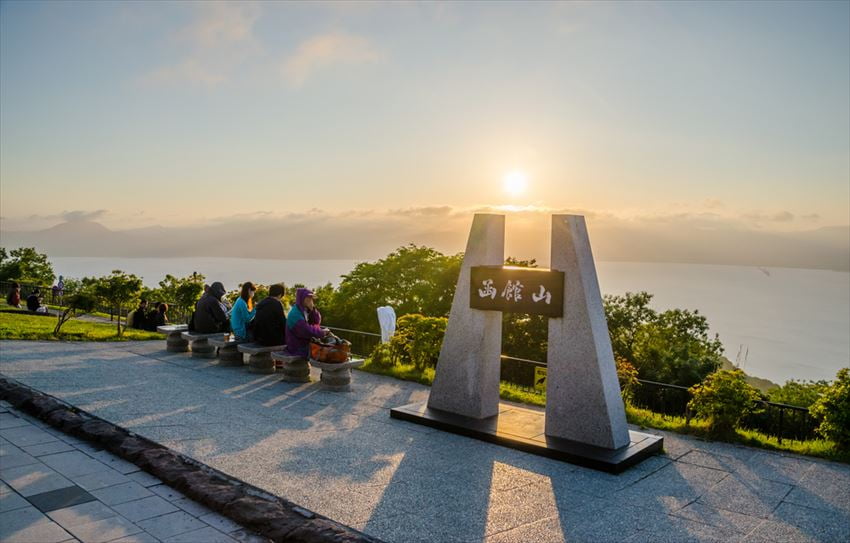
[(139, 320), (243, 312)]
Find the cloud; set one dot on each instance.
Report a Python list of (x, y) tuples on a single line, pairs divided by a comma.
[(779, 216), (72, 216), (324, 50), (426, 211), (218, 41)]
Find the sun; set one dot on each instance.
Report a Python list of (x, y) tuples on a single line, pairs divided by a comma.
[(515, 182)]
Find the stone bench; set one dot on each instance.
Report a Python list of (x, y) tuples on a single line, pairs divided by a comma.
[(228, 354), (260, 359), (201, 347), (336, 376), (293, 368), (174, 342)]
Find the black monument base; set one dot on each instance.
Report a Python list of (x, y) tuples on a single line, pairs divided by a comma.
[(522, 429)]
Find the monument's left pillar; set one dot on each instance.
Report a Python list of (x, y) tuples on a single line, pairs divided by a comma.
[(467, 379)]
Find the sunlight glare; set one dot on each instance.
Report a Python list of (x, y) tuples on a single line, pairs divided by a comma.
[(515, 182)]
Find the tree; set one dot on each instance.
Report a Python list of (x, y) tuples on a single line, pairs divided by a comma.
[(183, 292), (724, 398), (799, 393), (26, 265), (118, 290), (77, 304), (670, 347), (832, 409), (411, 279)]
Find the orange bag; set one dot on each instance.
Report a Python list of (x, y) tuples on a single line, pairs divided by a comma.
[(330, 353)]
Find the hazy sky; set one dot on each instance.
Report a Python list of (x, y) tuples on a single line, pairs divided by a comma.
[(147, 113)]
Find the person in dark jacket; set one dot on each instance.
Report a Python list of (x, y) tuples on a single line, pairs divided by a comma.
[(160, 318), (303, 323), (270, 319), (210, 316), (139, 321), (34, 300)]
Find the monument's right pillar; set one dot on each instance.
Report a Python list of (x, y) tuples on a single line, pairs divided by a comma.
[(583, 401)]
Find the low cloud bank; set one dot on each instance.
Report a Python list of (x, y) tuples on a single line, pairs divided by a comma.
[(706, 238)]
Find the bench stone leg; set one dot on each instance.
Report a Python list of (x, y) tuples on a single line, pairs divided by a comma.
[(296, 370), (229, 356), (337, 380), (174, 343), (201, 348), (261, 363)]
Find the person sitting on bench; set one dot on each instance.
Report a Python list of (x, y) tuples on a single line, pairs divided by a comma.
[(243, 311), (303, 322), (210, 317), (270, 318)]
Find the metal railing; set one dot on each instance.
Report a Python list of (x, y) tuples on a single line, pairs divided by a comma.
[(779, 420)]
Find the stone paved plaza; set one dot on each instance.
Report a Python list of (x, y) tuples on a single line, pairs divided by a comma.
[(56, 488), (341, 455)]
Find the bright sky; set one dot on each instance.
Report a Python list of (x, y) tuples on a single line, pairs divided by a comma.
[(141, 113)]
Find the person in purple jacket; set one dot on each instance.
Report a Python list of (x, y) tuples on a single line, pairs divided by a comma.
[(303, 322)]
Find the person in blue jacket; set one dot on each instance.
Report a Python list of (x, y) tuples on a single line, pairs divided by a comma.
[(243, 312)]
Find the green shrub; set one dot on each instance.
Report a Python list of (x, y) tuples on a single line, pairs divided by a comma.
[(627, 374), (799, 393), (417, 340), (381, 356), (833, 410), (723, 399)]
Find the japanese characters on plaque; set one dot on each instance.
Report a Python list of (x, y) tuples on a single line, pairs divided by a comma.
[(518, 290)]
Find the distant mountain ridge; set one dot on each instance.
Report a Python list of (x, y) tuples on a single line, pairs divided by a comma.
[(323, 238)]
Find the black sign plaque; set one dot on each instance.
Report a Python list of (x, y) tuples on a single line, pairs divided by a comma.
[(517, 290)]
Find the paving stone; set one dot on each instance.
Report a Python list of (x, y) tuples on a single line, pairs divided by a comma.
[(143, 478), (30, 525), (167, 492), (825, 525), (141, 537), (102, 479), (670, 488), (775, 532), (782, 469), (12, 500), (8, 420), (247, 536), (72, 463), (34, 479), (220, 523), (152, 506), (727, 520), (171, 524), (82, 514), (713, 461), (207, 535), (825, 486), (118, 464), (61, 498), (679, 530), (16, 459), (104, 530), (192, 507), (747, 495), (26, 435), (127, 492), (48, 448)]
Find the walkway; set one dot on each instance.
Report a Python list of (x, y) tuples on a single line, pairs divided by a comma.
[(342, 456), (55, 488)]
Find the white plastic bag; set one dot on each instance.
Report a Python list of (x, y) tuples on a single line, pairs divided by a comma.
[(386, 318)]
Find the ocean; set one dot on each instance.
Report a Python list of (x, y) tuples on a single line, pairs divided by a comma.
[(777, 323)]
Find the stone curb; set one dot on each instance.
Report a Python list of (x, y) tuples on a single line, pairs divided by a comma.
[(275, 518)]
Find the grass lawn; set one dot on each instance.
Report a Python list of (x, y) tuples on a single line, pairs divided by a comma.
[(643, 418), (33, 327)]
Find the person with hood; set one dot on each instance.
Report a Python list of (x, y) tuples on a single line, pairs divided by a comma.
[(139, 318), (270, 319), (303, 322), (243, 311), (14, 296), (210, 316)]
